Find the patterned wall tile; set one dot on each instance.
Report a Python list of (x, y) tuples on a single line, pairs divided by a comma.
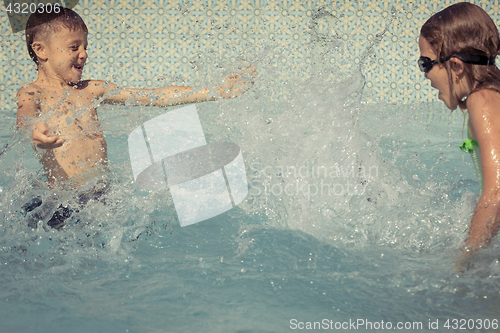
[(150, 43)]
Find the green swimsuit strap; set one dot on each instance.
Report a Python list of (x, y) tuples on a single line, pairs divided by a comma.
[(472, 146), (468, 145)]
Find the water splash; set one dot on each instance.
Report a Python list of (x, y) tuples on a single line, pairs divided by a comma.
[(312, 168)]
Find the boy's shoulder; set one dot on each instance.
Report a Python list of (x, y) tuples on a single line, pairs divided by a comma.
[(29, 92), (30, 89), (97, 87), (34, 93)]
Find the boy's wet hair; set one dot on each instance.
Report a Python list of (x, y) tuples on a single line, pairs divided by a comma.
[(465, 28), (41, 25)]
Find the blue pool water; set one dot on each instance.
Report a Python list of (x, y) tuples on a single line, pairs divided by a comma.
[(374, 239)]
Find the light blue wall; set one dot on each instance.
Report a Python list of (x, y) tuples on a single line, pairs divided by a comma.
[(152, 43)]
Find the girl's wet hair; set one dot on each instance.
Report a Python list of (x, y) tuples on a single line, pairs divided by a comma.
[(465, 28), (41, 25)]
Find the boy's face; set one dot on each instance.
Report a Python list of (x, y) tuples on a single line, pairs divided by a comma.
[(66, 53)]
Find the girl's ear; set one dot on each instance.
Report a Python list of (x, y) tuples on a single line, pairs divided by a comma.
[(39, 49), (457, 66)]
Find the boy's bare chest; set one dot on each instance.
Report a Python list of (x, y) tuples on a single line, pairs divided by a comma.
[(70, 107)]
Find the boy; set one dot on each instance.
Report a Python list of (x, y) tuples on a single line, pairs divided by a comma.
[(60, 110)]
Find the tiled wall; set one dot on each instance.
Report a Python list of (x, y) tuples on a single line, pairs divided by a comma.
[(140, 43)]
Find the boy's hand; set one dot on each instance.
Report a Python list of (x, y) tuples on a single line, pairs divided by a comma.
[(239, 83), (42, 139)]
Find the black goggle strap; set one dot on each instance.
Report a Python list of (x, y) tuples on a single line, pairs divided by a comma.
[(426, 64), (472, 59)]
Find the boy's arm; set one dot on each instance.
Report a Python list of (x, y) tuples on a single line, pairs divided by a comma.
[(232, 86), (166, 96), (27, 106)]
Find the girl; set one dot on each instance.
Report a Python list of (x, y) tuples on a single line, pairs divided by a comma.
[(458, 47)]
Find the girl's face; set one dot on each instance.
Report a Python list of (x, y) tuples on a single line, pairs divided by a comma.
[(438, 75)]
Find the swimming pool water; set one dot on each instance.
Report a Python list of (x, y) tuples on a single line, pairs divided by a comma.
[(298, 248), (387, 254)]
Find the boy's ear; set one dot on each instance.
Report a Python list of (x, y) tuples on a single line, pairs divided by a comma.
[(39, 49), (457, 66)]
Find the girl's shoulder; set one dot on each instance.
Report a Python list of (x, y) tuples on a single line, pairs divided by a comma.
[(483, 99), (483, 107)]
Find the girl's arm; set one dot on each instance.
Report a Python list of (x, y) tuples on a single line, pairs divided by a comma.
[(484, 116)]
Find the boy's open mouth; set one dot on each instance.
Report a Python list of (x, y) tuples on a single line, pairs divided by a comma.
[(78, 67)]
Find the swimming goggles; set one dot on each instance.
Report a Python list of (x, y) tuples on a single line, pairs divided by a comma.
[(425, 64)]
